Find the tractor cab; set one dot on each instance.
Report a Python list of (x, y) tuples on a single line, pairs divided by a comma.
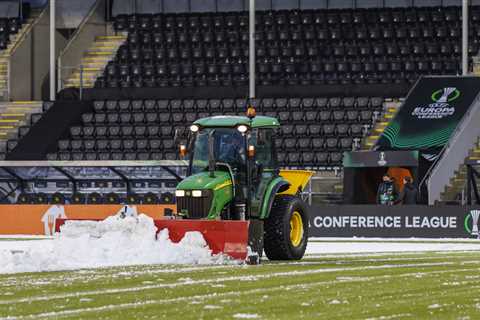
[(231, 162)]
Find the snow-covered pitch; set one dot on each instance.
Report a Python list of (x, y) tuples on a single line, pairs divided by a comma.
[(131, 240)]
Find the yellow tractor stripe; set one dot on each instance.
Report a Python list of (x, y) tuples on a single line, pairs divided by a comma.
[(223, 185)]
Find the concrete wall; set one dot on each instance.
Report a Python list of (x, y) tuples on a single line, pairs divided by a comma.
[(29, 63), (92, 26), (70, 13)]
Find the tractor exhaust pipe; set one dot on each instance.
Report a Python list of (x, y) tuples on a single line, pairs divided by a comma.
[(211, 154)]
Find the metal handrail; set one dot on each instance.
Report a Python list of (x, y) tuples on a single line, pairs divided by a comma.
[(307, 193), (80, 67)]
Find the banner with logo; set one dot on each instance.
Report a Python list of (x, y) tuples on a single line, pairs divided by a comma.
[(394, 221), (430, 113), (40, 219), (371, 159)]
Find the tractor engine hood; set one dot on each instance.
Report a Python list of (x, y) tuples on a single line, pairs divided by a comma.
[(204, 196), (203, 181)]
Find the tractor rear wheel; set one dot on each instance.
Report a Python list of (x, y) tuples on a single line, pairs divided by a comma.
[(286, 229)]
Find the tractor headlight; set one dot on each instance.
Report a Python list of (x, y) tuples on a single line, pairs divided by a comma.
[(180, 193), (194, 128), (197, 193), (242, 128)]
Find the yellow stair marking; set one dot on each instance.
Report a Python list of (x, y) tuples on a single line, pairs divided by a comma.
[(118, 37), (99, 53), (11, 115), (26, 102), (19, 108)]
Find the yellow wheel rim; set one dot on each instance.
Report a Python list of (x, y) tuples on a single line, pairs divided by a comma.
[(296, 229)]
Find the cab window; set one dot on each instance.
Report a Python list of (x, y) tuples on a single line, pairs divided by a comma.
[(263, 140)]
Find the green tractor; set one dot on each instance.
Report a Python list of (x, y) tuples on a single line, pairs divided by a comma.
[(233, 178)]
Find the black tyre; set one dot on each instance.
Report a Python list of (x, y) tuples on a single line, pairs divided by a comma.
[(286, 229)]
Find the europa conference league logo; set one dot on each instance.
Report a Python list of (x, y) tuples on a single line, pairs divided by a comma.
[(440, 107), (472, 228)]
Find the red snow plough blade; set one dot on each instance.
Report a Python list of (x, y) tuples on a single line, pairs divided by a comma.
[(227, 237)]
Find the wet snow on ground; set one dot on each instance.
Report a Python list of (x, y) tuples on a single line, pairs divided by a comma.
[(112, 242)]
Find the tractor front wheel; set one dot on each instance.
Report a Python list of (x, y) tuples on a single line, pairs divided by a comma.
[(286, 229)]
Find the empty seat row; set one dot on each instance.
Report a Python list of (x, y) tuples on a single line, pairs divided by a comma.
[(116, 144), (140, 117), (315, 130), (268, 19), (231, 105), (179, 118), (305, 158), (280, 79), (278, 69), (90, 156), (167, 132), (77, 132), (206, 59), (295, 36), (331, 159), (309, 144)]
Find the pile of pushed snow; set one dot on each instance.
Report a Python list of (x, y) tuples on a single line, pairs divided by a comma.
[(114, 241)]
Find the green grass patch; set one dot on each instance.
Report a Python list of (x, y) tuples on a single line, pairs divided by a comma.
[(381, 286)]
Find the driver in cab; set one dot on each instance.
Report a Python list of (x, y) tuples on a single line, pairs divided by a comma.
[(233, 149)]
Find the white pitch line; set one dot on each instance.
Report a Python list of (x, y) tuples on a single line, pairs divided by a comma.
[(34, 279), (219, 280)]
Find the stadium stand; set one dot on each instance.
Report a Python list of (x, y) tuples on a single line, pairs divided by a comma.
[(352, 46)]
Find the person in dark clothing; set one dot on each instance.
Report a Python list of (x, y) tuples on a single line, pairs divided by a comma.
[(233, 151), (409, 194), (386, 193)]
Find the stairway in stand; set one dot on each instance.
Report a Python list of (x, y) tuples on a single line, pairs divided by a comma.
[(94, 61), (390, 109)]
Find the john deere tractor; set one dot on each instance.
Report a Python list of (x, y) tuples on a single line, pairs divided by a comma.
[(233, 176)]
